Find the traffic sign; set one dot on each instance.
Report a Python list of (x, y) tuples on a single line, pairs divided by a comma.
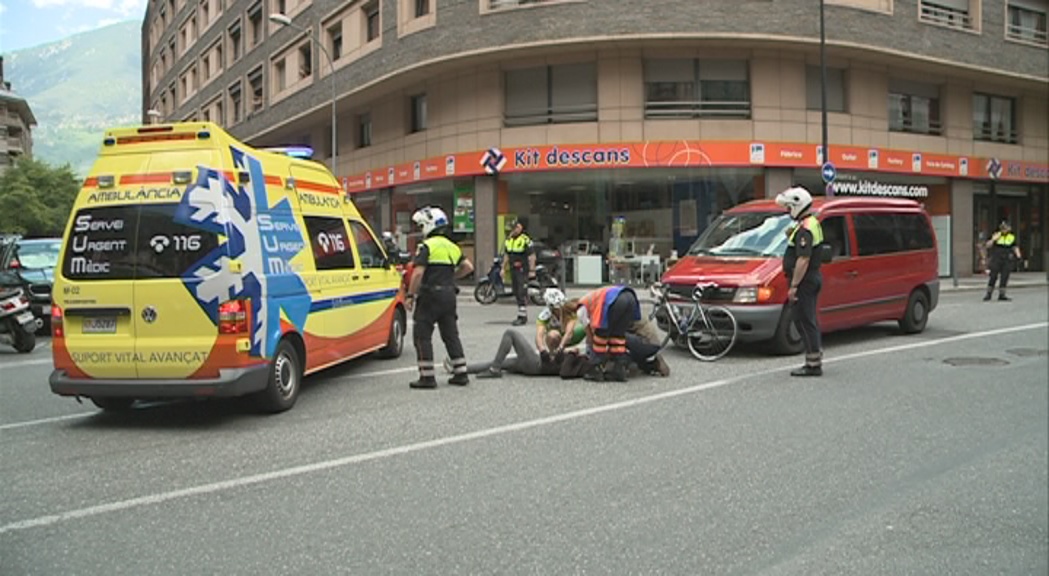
[(829, 173)]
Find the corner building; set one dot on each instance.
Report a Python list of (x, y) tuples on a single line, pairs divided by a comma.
[(640, 119)]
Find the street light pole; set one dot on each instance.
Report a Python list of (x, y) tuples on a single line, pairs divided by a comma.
[(283, 20), (823, 95)]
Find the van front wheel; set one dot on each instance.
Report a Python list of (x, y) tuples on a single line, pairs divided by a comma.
[(787, 339), (395, 344), (285, 380), (917, 314)]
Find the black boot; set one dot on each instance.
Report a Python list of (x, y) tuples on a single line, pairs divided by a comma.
[(807, 370), (1002, 297), (987, 296), (425, 383), (618, 371), (519, 321), (459, 379)]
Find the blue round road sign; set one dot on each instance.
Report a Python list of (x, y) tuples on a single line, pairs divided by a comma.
[(829, 172)]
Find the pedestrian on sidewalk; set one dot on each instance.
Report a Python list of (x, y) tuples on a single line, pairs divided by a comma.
[(1003, 248)]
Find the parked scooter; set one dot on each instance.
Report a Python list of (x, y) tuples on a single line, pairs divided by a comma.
[(492, 288), (18, 325)]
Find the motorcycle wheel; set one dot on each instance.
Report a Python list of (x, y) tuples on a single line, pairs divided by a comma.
[(485, 293), (25, 341)]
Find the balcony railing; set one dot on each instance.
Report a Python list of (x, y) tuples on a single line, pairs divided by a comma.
[(15, 145), (697, 109), (988, 133), (559, 115), (953, 17), (931, 127), (1027, 34)]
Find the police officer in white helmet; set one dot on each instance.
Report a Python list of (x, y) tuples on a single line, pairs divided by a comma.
[(432, 297), (801, 265)]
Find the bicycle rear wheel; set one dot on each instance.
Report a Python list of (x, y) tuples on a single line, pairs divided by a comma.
[(713, 339)]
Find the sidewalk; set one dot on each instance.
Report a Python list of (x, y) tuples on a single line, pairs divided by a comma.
[(966, 283)]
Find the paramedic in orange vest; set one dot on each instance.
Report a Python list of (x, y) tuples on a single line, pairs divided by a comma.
[(1003, 248), (801, 265), (608, 313)]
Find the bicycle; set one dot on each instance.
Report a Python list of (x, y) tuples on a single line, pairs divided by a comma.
[(708, 331)]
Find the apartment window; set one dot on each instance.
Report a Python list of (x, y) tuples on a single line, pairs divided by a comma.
[(235, 42), (914, 107), (503, 4), (837, 98), (305, 60), (551, 94), (205, 12), (1027, 21), (953, 13), (257, 89), (371, 20), (694, 88), (418, 113), (281, 6), (335, 41), (235, 103), (364, 130), (280, 68), (220, 113), (255, 29), (994, 119), (205, 66), (422, 8)]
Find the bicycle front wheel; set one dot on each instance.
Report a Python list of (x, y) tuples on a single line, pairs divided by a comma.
[(712, 339)]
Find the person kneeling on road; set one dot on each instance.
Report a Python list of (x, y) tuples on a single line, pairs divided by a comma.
[(608, 314)]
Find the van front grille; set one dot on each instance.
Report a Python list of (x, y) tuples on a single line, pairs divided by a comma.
[(721, 294)]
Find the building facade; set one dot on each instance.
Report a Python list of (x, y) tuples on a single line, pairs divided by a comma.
[(16, 124), (639, 119)]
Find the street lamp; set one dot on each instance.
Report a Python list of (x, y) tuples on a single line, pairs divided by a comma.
[(823, 96), (283, 20), (154, 115)]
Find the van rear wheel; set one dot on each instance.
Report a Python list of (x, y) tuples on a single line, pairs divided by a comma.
[(917, 314), (285, 380), (113, 404)]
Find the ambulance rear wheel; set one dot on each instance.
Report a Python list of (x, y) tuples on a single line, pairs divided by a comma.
[(113, 404), (285, 380)]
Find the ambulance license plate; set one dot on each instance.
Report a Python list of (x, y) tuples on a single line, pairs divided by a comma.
[(100, 325)]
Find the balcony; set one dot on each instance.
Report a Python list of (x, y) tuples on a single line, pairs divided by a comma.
[(951, 17), (554, 115), (927, 126), (734, 109), (15, 145), (1027, 26), (505, 4), (986, 132)]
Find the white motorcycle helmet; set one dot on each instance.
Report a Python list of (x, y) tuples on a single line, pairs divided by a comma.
[(553, 298), (429, 219), (796, 200)]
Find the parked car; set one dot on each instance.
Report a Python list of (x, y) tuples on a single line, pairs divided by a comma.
[(881, 264), (29, 264)]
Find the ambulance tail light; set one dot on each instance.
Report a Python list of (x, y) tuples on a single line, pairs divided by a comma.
[(233, 317), (57, 328)]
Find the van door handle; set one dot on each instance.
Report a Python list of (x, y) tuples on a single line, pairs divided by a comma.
[(367, 276), (852, 273), (355, 277)]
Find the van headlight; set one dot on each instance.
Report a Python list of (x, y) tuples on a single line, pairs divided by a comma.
[(752, 295)]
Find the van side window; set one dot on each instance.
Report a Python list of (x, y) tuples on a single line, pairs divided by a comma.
[(330, 243), (917, 235), (877, 234), (834, 235), (368, 249)]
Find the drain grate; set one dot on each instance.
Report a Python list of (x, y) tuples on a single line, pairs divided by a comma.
[(975, 361), (1028, 352)]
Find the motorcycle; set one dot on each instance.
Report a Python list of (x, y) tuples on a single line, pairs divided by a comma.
[(491, 287), (18, 325)]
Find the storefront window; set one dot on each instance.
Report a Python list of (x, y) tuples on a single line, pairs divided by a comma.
[(368, 205), (445, 194), (1023, 207)]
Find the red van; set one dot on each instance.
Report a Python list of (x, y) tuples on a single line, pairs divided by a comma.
[(880, 263)]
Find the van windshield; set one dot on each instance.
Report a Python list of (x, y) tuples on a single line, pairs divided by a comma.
[(744, 234)]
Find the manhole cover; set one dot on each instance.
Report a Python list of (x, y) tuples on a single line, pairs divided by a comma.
[(975, 361), (1026, 352)]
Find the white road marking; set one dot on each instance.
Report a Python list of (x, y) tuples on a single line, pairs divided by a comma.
[(242, 481)]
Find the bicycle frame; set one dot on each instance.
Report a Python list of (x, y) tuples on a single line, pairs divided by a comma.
[(693, 329)]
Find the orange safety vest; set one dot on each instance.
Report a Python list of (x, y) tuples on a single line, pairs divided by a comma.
[(597, 303)]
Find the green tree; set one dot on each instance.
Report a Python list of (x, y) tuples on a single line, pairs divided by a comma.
[(35, 198)]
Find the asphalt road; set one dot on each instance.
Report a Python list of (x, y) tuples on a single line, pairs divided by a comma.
[(920, 454)]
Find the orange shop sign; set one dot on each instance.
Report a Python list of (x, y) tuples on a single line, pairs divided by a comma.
[(692, 153)]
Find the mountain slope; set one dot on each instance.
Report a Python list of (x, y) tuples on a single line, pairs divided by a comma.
[(78, 87)]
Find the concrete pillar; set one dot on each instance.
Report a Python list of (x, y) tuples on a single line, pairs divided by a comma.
[(962, 241), (485, 212), (779, 179), (386, 209)]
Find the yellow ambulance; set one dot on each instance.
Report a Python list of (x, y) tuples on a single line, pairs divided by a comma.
[(195, 266)]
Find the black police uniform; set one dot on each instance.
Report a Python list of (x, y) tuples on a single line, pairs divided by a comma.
[(436, 304), (1002, 252), (517, 249), (803, 242)]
